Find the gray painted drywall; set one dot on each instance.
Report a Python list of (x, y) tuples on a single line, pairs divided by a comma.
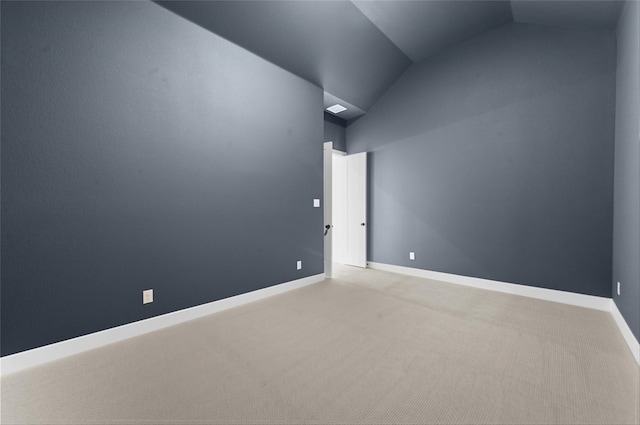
[(330, 43), (578, 14), (495, 160), (422, 28), (141, 151), (351, 112), (626, 234), (335, 131)]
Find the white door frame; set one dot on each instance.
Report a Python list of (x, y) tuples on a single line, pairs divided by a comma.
[(339, 208), (328, 206), (358, 227)]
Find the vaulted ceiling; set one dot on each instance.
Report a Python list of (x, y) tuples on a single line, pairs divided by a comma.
[(355, 50), (422, 28)]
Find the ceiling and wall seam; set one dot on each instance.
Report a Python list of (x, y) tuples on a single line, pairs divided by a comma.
[(357, 50)]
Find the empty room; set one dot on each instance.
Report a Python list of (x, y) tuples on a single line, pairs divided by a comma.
[(320, 212)]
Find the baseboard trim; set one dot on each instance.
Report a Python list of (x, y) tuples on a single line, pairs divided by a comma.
[(554, 295), (580, 300), (37, 356), (628, 336)]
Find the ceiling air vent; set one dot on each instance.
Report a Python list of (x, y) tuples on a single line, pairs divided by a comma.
[(336, 109)]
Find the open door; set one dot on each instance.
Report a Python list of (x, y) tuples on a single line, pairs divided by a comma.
[(356, 184)]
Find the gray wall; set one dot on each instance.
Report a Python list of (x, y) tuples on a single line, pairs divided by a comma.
[(495, 160), (626, 236), (329, 43), (141, 151), (335, 131)]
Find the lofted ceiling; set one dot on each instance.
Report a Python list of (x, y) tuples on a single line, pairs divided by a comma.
[(589, 15), (355, 50), (422, 28)]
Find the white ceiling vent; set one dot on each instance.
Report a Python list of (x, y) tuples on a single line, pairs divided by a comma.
[(336, 109)]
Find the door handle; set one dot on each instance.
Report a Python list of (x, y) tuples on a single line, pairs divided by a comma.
[(327, 227), (362, 224)]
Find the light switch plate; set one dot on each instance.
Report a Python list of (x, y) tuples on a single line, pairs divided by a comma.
[(316, 203), (147, 296), (412, 255), (299, 264)]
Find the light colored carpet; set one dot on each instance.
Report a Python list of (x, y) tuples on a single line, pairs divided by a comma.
[(365, 347)]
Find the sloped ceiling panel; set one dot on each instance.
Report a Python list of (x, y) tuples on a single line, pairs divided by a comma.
[(351, 112), (421, 28), (591, 15), (329, 43), (355, 50)]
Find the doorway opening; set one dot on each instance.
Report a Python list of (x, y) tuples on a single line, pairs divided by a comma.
[(345, 212)]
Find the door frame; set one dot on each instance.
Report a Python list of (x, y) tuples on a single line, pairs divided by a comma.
[(339, 206), (328, 207), (328, 153)]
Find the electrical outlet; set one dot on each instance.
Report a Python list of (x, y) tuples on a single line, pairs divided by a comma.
[(412, 255), (316, 203), (299, 265), (147, 296), (618, 288)]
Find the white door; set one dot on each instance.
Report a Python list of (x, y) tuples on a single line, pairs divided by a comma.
[(356, 249), (328, 182)]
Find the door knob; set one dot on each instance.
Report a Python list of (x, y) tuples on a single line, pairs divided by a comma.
[(362, 224)]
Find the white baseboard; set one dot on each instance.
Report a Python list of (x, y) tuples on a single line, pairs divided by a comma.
[(628, 336), (20, 361), (581, 300), (23, 360)]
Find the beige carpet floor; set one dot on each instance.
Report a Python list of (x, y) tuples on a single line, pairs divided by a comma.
[(367, 347)]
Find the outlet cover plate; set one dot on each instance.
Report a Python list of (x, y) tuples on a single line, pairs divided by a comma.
[(147, 296)]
